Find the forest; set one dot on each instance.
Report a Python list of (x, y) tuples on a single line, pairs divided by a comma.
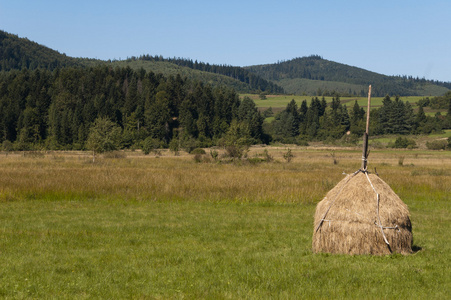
[(56, 109), (60, 109), (328, 122), (256, 82)]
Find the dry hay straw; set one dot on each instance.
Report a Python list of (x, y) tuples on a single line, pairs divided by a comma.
[(351, 221)]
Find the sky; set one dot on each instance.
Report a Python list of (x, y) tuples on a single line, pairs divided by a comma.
[(391, 37)]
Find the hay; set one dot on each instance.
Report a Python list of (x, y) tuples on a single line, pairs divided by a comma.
[(347, 219)]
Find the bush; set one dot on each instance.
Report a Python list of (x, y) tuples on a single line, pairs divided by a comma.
[(189, 143), (149, 145), (402, 142), (301, 141), (198, 158), (198, 151), (174, 146), (437, 145), (288, 156), (214, 154), (234, 151), (7, 146), (268, 157)]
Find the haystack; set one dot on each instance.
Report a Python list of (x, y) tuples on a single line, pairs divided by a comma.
[(362, 215)]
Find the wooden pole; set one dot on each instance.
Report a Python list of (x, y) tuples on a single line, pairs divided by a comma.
[(365, 135)]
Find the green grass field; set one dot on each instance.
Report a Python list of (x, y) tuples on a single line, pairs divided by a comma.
[(281, 101), (169, 228)]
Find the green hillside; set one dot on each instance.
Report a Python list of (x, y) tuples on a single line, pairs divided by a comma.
[(170, 69), (311, 75), (20, 53), (314, 75)]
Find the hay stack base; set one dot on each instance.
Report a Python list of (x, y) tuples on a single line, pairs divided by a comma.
[(348, 220)]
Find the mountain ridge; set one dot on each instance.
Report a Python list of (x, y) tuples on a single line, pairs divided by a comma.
[(317, 69), (308, 75)]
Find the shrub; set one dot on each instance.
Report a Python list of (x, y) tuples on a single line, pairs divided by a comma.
[(288, 156), (188, 143), (214, 154), (174, 146), (234, 151), (301, 141), (437, 145), (7, 146), (402, 142), (334, 158), (150, 144), (198, 151), (198, 158)]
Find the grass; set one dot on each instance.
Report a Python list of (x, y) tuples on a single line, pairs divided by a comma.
[(167, 227), (281, 101)]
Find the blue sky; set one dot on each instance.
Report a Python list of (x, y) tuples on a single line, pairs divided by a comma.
[(396, 37)]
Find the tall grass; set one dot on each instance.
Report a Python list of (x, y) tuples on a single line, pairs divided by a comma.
[(167, 227)]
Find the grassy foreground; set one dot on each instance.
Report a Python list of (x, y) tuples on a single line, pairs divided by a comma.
[(159, 228)]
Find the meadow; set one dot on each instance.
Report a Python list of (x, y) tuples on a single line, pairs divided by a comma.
[(168, 227), (281, 101)]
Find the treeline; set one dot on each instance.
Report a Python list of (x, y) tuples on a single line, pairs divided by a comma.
[(314, 67), (441, 102), (57, 109), (329, 122), (256, 82), (316, 121), (60, 109)]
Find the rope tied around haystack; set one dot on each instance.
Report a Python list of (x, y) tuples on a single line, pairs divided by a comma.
[(377, 222), (378, 215)]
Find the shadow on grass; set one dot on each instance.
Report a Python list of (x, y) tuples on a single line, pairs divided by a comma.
[(416, 249)]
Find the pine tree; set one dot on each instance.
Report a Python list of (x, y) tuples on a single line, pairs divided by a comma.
[(249, 115), (157, 116)]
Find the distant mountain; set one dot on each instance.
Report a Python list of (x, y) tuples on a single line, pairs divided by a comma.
[(19, 53), (315, 75), (310, 75)]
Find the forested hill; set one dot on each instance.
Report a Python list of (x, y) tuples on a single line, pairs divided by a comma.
[(310, 75), (315, 75), (253, 80), (20, 53)]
